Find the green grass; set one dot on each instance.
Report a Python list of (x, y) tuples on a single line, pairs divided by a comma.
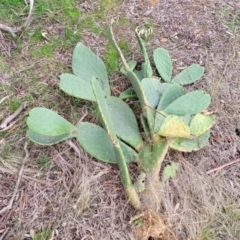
[(44, 161), (11, 9), (207, 233), (230, 18), (44, 235), (45, 50), (62, 20), (6, 150), (14, 105), (123, 20), (111, 57), (227, 223), (90, 22)]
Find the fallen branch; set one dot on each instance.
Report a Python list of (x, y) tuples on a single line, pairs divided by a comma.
[(9, 119), (223, 166), (20, 173), (14, 30)]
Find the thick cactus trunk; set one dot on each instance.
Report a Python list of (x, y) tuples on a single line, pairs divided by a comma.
[(151, 196)]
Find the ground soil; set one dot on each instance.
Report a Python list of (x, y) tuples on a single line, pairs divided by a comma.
[(76, 197)]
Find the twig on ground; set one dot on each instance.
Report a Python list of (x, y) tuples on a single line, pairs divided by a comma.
[(77, 150), (10, 127), (14, 30), (62, 163), (5, 123), (4, 234), (84, 115), (20, 173), (223, 166), (11, 30), (3, 99)]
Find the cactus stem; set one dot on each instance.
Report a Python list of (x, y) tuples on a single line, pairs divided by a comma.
[(125, 176), (133, 197), (114, 42), (151, 195), (160, 149), (122, 165)]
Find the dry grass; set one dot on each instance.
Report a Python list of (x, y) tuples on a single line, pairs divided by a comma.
[(202, 207), (63, 191), (70, 195)]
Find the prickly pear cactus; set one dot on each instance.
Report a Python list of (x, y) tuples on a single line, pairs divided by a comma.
[(169, 118)]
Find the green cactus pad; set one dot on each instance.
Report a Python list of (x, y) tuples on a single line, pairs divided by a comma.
[(124, 121), (149, 112), (200, 124), (139, 74), (189, 145), (189, 75), (95, 141), (76, 87), (151, 157), (189, 104), (86, 64), (103, 109), (48, 123), (132, 64), (48, 140), (163, 63), (159, 118), (187, 119), (128, 93), (145, 157), (129, 154), (144, 69), (173, 126), (170, 171), (172, 93), (153, 90)]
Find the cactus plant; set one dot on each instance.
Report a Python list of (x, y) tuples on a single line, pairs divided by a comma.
[(170, 118)]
